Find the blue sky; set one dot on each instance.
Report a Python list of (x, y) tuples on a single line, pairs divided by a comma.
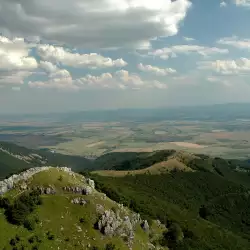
[(60, 55)]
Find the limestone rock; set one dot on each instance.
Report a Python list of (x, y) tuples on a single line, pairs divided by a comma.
[(91, 183), (87, 190), (145, 225), (112, 224), (99, 209), (79, 200)]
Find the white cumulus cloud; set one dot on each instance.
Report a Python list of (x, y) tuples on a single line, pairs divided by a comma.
[(243, 3), (61, 55), (156, 70), (227, 67), (173, 51), (235, 42), (14, 55), (188, 39), (223, 4), (13, 77), (120, 79), (93, 23)]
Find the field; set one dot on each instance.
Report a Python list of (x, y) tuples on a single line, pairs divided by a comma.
[(222, 136)]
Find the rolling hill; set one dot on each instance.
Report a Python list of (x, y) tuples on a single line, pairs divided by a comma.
[(189, 201), (59, 209)]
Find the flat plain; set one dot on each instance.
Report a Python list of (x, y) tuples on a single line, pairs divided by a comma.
[(227, 139)]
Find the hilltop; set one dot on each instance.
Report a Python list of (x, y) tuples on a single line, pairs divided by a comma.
[(65, 211)]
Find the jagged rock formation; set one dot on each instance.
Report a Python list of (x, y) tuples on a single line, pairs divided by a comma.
[(85, 190), (79, 200), (114, 224), (46, 190), (145, 226)]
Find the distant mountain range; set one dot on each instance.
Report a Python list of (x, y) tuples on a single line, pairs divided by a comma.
[(218, 112)]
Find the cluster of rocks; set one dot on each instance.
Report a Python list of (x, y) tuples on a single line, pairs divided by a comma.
[(79, 200), (9, 183), (112, 223), (85, 190), (46, 190)]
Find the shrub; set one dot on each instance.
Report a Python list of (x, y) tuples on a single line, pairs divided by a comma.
[(29, 224), (12, 242), (32, 239), (81, 220), (50, 236), (203, 212), (4, 202), (110, 246), (17, 238), (22, 207), (173, 236)]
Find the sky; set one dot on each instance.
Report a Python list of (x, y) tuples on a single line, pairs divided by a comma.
[(70, 55)]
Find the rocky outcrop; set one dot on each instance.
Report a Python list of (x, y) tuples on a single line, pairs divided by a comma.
[(85, 190), (91, 183), (79, 200), (99, 209), (10, 183), (46, 190), (145, 226), (113, 224)]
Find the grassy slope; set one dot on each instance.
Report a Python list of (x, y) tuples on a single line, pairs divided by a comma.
[(61, 217), (157, 168)]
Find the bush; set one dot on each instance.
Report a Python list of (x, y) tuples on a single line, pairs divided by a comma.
[(81, 220), (173, 236), (12, 242), (17, 238), (4, 203), (32, 239), (17, 213), (50, 236), (29, 224), (22, 207), (110, 246)]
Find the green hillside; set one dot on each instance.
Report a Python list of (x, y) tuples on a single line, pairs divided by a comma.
[(204, 204), (180, 197), (52, 221), (10, 165)]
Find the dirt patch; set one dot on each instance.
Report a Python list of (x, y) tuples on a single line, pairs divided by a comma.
[(188, 145), (95, 144), (122, 150)]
